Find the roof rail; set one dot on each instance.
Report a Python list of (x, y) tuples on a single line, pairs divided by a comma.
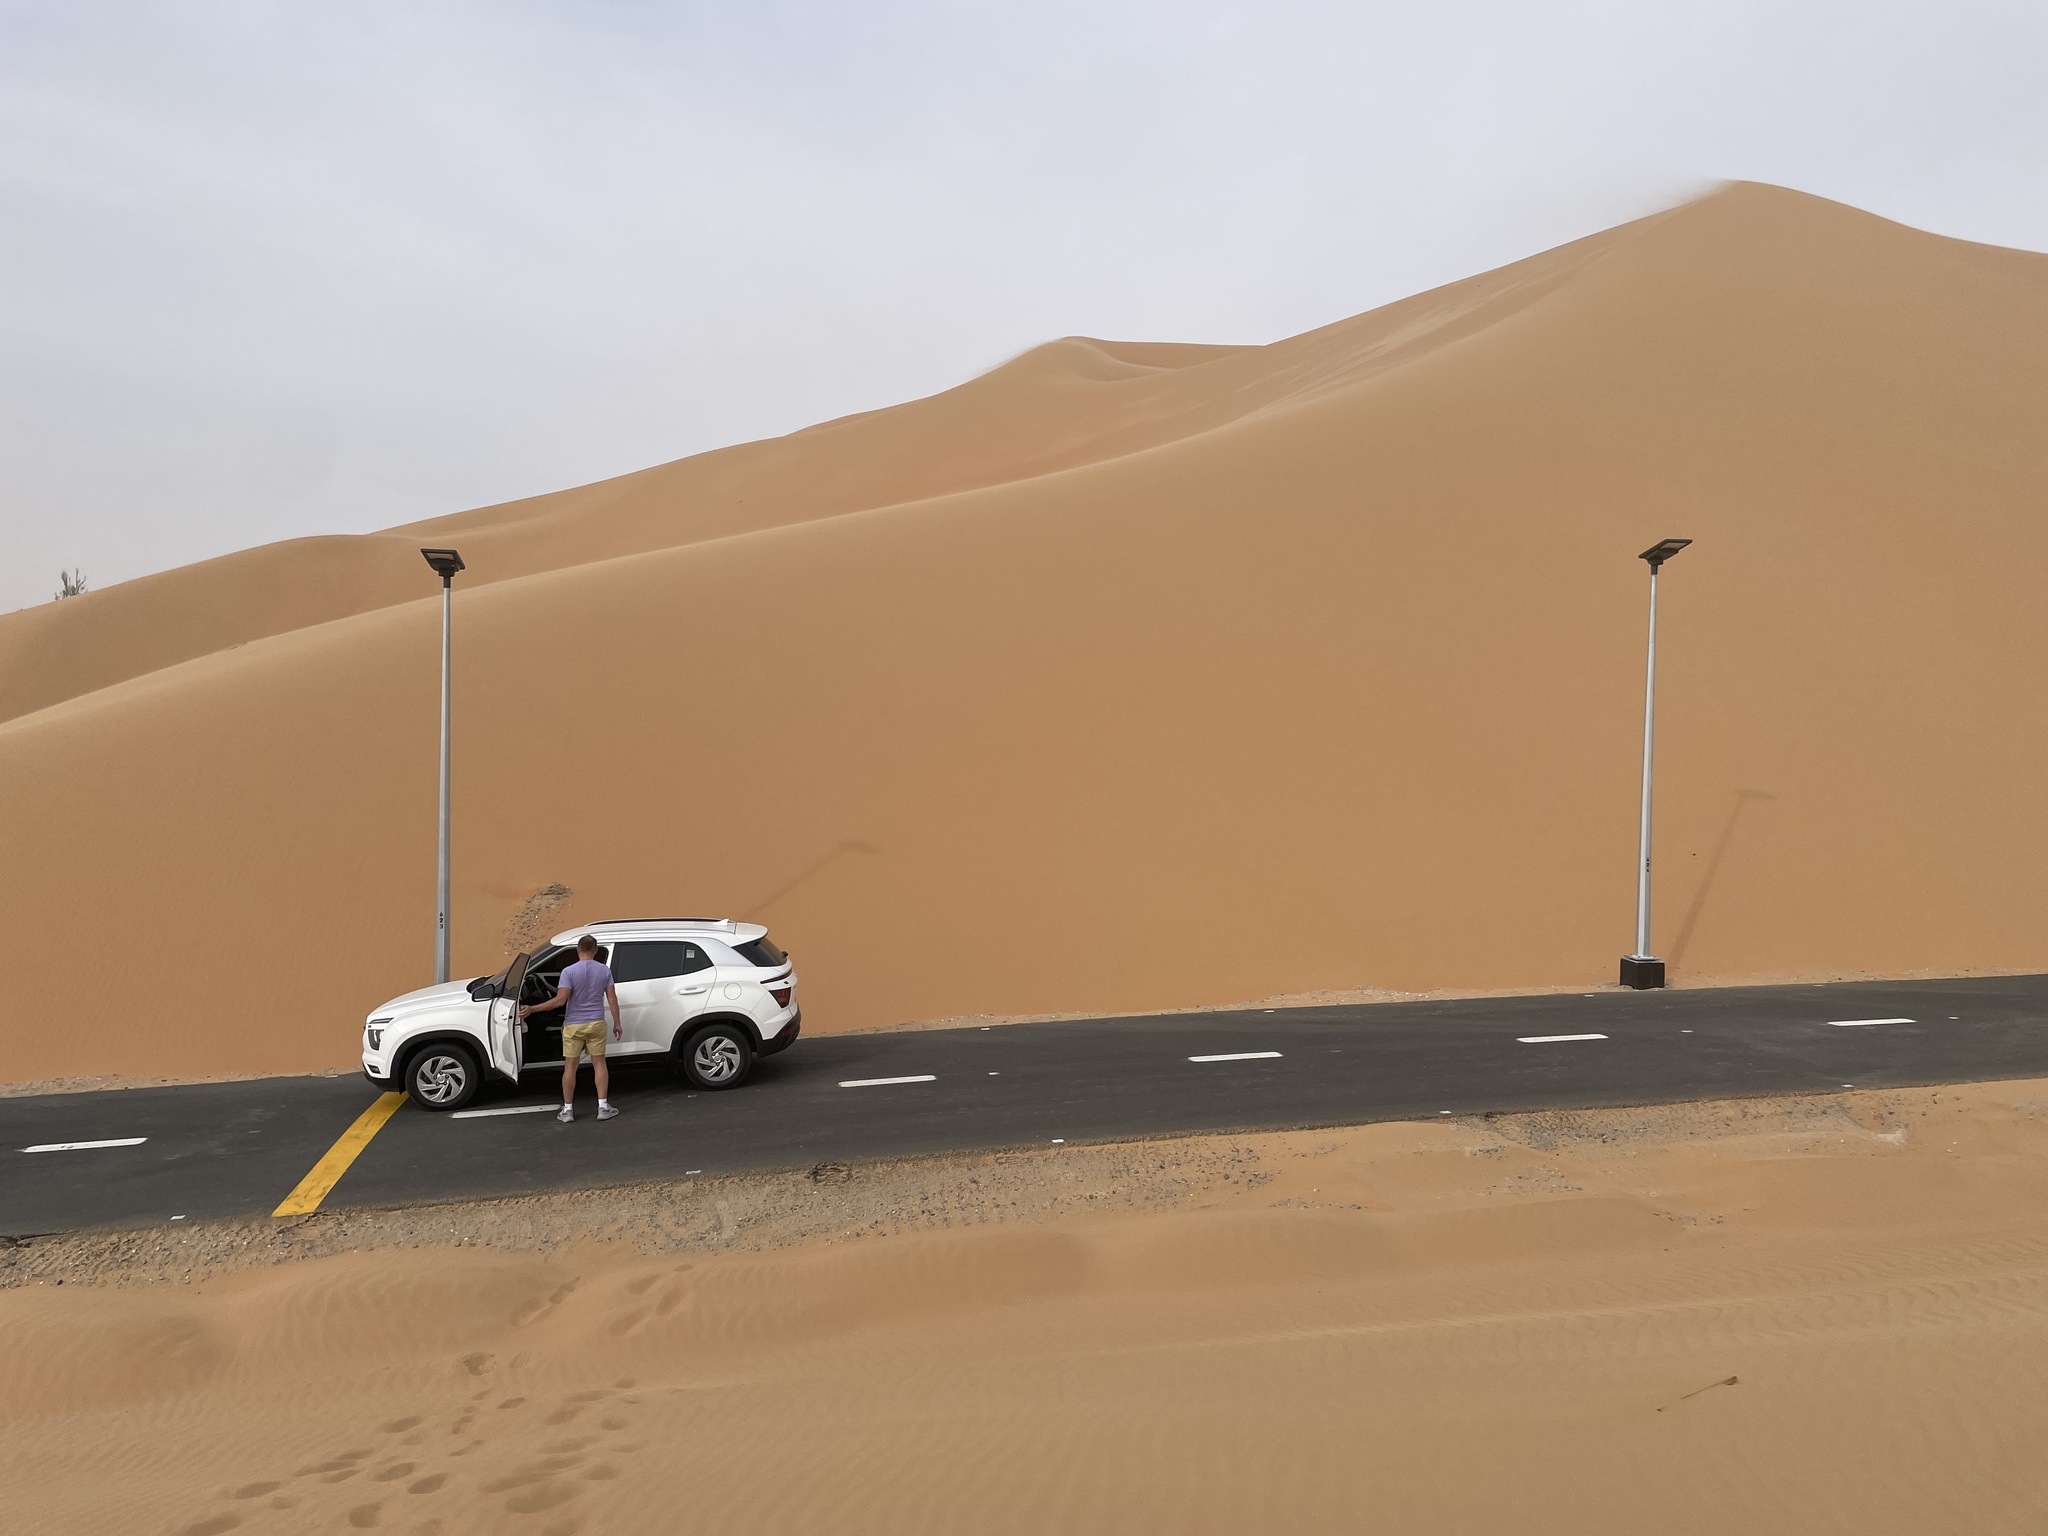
[(619, 922)]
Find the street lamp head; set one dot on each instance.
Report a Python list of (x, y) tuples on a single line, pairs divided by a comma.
[(446, 562), (1661, 551)]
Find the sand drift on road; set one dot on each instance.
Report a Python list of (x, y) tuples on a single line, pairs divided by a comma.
[(1794, 1313)]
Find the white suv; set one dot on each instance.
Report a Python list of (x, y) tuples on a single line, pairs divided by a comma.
[(708, 994)]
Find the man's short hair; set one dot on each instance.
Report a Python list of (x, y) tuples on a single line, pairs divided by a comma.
[(587, 945)]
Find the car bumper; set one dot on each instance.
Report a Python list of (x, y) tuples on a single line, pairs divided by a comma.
[(786, 1036), (376, 1071)]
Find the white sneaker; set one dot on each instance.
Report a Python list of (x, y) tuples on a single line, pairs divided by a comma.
[(607, 1112), (565, 1114)]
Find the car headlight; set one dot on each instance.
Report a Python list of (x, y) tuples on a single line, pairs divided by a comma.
[(374, 1033)]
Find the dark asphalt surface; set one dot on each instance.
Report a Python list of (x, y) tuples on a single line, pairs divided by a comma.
[(236, 1149)]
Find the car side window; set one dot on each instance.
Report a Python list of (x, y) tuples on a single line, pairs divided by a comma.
[(544, 975), (648, 960)]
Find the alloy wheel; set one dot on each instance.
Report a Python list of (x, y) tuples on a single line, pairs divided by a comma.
[(441, 1079), (717, 1058)]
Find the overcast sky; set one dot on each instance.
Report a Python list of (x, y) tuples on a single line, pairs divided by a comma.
[(274, 269)]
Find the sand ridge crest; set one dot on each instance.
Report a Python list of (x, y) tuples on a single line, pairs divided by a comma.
[(293, 583)]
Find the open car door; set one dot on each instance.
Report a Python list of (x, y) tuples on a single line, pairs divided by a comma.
[(508, 1035)]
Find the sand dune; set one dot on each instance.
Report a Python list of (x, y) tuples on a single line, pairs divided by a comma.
[(1803, 1315), (1060, 406), (1131, 676)]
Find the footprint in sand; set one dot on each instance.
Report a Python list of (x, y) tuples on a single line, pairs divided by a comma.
[(394, 1472), (364, 1516), (256, 1490), (335, 1469), (511, 1402), (400, 1426), (542, 1496), (541, 1472), (429, 1483), (574, 1404), (212, 1525), (535, 1310), (670, 1300)]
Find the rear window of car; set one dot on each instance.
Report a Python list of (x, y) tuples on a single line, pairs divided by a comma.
[(761, 951), (648, 959)]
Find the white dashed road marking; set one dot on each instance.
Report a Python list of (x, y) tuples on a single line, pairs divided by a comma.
[(86, 1146), (1864, 1023), (1554, 1039), (1238, 1056), (885, 1082), (510, 1109)]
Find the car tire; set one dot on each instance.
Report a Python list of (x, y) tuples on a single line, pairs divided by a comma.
[(716, 1057), (443, 1077)]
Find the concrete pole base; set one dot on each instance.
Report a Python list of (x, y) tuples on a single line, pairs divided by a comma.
[(1641, 972)]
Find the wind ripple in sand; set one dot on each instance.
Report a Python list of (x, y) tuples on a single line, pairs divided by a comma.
[(1458, 1357)]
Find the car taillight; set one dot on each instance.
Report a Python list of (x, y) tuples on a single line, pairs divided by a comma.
[(781, 995)]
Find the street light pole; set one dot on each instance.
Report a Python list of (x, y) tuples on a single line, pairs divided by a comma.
[(1642, 970), (446, 562)]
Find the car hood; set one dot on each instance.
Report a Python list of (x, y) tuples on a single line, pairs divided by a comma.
[(436, 996)]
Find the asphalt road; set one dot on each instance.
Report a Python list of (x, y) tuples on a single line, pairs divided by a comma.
[(236, 1149)]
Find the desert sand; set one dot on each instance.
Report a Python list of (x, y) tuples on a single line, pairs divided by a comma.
[(1133, 676), (1823, 1314)]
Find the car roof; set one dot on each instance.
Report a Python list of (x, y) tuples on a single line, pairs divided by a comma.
[(612, 929)]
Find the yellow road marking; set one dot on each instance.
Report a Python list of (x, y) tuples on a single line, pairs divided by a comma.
[(327, 1172)]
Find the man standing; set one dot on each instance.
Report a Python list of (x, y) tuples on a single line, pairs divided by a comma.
[(586, 989)]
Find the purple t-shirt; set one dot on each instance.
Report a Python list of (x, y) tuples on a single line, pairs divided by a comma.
[(585, 982)]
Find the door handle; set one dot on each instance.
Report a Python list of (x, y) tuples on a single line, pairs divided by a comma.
[(696, 989)]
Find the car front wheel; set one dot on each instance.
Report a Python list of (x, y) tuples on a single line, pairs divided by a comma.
[(442, 1077), (718, 1056)]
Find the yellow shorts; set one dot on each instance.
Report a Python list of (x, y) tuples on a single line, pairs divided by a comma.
[(578, 1038)]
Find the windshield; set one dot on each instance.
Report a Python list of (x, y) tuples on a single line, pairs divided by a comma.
[(492, 986)]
